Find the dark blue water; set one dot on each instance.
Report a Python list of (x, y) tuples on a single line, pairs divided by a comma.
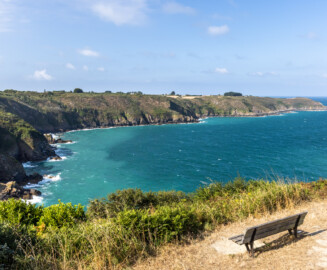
[(182, 157)]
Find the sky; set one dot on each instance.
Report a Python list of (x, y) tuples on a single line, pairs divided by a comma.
[(265, 48)]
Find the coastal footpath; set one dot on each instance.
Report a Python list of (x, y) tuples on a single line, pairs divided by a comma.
[(25, 117)]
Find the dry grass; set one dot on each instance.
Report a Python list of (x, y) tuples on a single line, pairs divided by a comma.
[(280, 251)]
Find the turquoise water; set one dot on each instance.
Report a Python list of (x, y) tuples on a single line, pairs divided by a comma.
[(182, 157)]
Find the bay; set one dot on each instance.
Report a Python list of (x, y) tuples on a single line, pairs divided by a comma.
[(185, 156)]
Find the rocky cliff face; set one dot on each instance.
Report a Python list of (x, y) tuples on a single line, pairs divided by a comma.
[(23, 143), (11, 169)]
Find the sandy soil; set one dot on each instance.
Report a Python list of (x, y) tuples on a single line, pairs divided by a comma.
[(280, 251)]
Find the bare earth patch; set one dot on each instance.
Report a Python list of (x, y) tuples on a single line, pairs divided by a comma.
[(280, 251)]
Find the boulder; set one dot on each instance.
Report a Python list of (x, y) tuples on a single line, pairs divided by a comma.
[(56, 158), (63, 141)]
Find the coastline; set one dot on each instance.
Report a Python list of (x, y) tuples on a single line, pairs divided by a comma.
[(196, 121), (199, 120)]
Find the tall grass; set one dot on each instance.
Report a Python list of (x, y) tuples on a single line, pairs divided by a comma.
[(131, 224)]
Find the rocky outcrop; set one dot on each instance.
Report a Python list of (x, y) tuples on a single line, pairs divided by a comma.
[(13, 190), (24, 144), (56, 158), (52, 140)]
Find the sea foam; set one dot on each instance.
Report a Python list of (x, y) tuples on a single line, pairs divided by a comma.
[(28, 165), (35, 200), (46, 179)]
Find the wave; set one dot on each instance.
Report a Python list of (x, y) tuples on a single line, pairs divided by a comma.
[(28, 165), (46, 179), (35, 199)]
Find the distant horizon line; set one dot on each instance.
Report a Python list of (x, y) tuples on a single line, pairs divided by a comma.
[(117, 92)]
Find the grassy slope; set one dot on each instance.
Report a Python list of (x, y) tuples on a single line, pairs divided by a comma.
[(117, 231)]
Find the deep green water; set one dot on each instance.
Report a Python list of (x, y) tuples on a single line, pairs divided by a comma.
[(182, 157)]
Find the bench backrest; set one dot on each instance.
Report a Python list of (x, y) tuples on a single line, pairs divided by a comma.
[(273, 227)]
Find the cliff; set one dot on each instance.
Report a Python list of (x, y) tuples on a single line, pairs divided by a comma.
[(62, 111)]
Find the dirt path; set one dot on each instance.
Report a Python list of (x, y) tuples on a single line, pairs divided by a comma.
[(277, 252)]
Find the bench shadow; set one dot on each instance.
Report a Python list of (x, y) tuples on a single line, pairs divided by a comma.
[(284, 240)]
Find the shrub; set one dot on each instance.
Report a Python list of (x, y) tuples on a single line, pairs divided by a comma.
[(61, 215), (132, 199), (232, 94), (78, 90), (163, 225), (18, 212)]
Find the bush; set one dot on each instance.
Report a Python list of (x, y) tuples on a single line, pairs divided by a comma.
[(232, 94), (129, 199), (61, 215), (163, 225), (78, 90), (17, 212)]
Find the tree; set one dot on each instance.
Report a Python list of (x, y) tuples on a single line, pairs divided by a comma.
[(232, 94), (78, 90), (172, 93)]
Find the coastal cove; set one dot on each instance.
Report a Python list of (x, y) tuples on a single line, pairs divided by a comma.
[(100, 161)]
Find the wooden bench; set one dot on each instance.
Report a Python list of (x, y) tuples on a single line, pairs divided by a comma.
[(290, 223)]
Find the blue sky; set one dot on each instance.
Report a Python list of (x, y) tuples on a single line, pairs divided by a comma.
[(266, 48)]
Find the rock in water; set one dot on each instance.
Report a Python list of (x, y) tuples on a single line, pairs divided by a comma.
[(13, 190), (56, 158), (52, 140)]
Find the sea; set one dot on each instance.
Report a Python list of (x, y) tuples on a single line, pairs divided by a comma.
[(184, 156)]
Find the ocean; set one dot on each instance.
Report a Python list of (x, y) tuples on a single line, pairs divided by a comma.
[(184, 156)]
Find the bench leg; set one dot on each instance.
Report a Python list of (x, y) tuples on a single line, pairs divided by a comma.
[(295, 232), (250, 249), (247, 248)]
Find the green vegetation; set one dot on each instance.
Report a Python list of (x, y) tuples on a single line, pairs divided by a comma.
[(131, 224), (78, 90), (232, 94)]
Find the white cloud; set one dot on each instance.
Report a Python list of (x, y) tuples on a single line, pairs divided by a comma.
[(176, 8), (324, 75), (70, 66), (121, 12), (221, 70), (100, 69), (85, 67), (88, 52), (262, 74), (218, 30), (42, 75)]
